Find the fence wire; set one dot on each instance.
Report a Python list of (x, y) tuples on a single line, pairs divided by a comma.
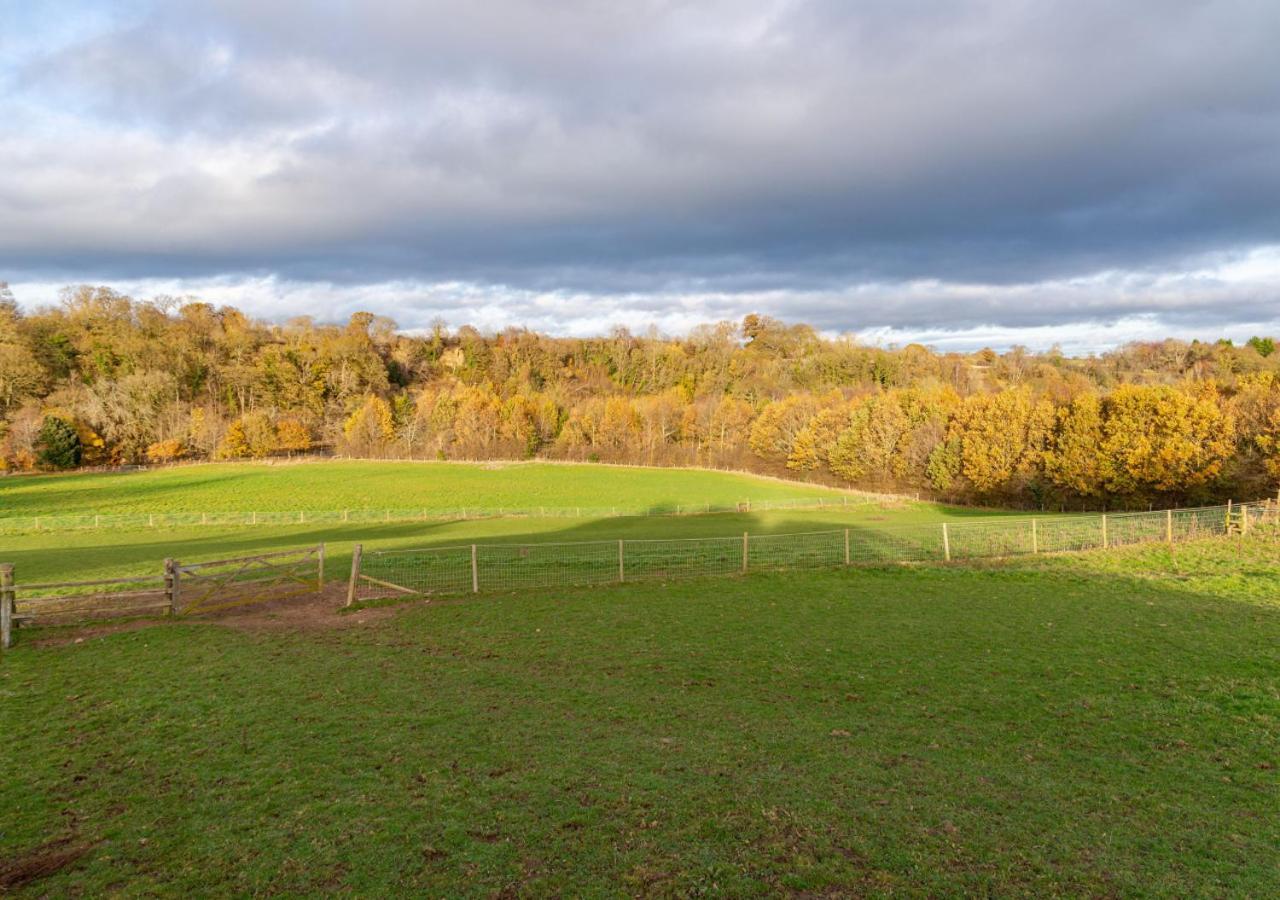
[(483, 568)]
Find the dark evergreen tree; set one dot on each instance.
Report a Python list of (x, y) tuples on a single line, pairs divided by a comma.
[(59, 446)]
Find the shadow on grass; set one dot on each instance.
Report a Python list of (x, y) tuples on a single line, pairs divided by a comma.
[(48, 501)]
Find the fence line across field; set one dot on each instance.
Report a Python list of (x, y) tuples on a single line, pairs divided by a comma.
[(495, 567), (18, 524)]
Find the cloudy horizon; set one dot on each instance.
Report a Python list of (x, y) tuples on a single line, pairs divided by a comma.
[(958, 174)]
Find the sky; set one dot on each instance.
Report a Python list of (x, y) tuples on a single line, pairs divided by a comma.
[(960, 173)]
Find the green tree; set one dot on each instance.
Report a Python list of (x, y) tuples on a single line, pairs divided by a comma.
[(1264, 346), (943, 467), (59, 444)]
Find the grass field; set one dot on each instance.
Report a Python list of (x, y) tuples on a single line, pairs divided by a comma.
[(337, 485), (1104, 724), (107, 553)]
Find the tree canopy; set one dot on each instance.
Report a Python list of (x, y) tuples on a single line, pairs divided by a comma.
[(168, 379)]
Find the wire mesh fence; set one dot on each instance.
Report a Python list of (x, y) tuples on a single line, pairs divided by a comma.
[(80, 522), (480, 568)]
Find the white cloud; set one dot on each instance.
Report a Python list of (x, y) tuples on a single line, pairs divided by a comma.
[(1232, 296)]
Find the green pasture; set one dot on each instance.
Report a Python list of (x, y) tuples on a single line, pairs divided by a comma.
[(336, 485), (110, 552), (1089, 725)]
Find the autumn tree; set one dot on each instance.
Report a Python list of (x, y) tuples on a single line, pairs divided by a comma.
[(619, 425), (1074, 461), (21, 376), (774, 432), (292, 436), (259, 434), (1001, 438), (1268, 442), (131, 412), (369, 430), (477, 423), (1160, 439), (166, 451), (868, 445), (814, 444), (729, 426), (234, 443)]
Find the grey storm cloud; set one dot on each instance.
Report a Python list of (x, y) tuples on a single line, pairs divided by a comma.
[(902, 165)]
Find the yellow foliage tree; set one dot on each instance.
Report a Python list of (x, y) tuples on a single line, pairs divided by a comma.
[(730, 424), (1268, 441), (166, 451), (1161, 439), (234, 444), (1074, 461), (519, 425), (620, 424), (292, 436), (1002, 438), (813, 445), (260, 433), (478, 421), (370, 428), (774, 432), (870, 443)]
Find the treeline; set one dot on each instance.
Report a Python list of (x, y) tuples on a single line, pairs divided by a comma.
[(102, 379)]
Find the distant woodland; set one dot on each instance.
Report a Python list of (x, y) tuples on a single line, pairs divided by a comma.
[(102, 379)]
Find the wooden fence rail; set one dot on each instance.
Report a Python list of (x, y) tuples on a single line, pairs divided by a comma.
[(180, 589)]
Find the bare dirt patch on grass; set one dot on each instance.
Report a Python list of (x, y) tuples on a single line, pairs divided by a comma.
[(39, 862), (308, 612)]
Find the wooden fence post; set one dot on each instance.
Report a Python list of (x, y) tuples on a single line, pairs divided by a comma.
[(1105, 543), (846, 545), (475, 571), (1244, 519), (171, 584), (1168, 526), (356, 553), (622, 572), (1035, 537), (946, 544), (6, 605), (320, 568), (745, 539)]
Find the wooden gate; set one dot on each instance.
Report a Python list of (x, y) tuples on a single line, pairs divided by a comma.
[(225, 583)]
